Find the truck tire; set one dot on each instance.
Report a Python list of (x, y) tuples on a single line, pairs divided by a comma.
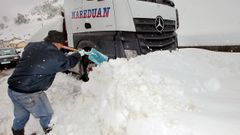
[(83, 69), (85, 65)]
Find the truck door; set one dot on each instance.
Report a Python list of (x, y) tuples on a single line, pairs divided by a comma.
[(94, 15)]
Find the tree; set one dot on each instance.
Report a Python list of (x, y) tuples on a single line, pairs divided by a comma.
[(21, 19), (2, 26), (5, 18)]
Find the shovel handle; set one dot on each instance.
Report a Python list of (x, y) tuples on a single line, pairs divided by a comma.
[(69, 48)]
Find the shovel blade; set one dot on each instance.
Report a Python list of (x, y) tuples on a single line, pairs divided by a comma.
[(96, 56)]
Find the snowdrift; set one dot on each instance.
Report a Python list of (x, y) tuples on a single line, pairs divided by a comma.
[(187, 92)]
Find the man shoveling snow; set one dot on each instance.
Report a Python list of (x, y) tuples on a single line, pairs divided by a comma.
[(33, 75)]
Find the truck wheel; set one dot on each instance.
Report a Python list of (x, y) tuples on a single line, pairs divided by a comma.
[(85, 65), (83, 69)]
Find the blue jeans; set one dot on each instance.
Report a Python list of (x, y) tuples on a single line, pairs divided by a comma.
[(36, 104)]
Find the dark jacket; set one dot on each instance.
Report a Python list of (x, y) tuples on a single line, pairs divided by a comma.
[(38, 66)]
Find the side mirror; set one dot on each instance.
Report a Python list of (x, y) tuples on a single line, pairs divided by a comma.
[(171, 3)]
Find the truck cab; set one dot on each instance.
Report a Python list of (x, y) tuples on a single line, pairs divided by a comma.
[(121, 28)]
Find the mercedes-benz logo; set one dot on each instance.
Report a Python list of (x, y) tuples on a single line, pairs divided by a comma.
[(159, 24)]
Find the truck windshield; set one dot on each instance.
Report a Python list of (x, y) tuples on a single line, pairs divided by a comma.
[(165, 2), (9, 51)]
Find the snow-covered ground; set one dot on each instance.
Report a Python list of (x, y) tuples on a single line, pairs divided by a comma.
[(187, 92)]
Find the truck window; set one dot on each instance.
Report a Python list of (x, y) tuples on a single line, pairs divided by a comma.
[(166, 2)]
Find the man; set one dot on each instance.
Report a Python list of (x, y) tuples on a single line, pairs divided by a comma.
[(33, 75)]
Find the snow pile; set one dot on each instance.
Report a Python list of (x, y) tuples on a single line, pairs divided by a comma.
[(187, 92), (131, 93), (119, 97), (146, 94)]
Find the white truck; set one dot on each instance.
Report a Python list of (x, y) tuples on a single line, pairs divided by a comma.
[(121, 28)]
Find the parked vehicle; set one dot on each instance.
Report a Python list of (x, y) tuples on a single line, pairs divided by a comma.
[(8, 57), (121, 28)]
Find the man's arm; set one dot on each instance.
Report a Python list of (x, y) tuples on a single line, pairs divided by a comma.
[(69, 62)]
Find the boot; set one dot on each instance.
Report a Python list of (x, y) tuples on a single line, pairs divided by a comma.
[(47, 130), (18, 132)]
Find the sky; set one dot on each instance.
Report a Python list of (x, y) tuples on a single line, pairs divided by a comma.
[(209, 22)]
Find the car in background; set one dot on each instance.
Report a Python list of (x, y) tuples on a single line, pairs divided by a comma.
[(8, 57)]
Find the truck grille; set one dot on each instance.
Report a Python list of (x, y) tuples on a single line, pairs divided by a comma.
[(150, 39)]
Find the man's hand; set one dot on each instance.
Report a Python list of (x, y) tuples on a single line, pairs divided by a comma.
[(82, 52)]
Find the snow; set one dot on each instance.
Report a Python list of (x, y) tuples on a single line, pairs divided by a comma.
[(53, 24), (27, 31), (187, 92)]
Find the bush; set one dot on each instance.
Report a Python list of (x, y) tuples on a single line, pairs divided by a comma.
[(21, 19), (48, 10), (39, 19), (5, 18), (2, 26)]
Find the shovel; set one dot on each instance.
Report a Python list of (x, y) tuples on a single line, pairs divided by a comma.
[(93, 55)]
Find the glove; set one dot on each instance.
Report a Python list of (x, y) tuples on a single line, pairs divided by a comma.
[(81, 52)]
